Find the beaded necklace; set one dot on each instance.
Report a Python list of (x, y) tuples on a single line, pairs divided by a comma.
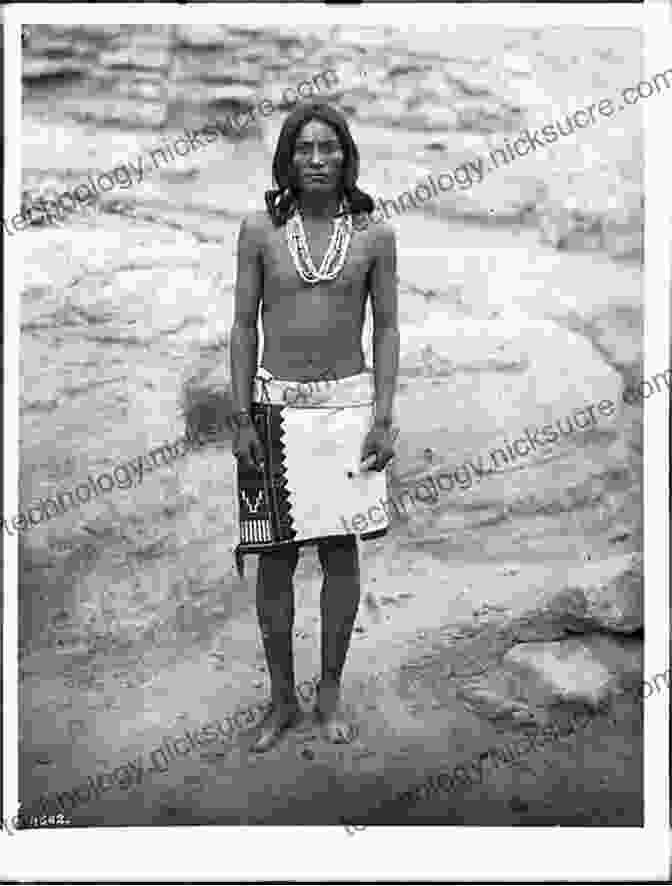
[(334, 257)]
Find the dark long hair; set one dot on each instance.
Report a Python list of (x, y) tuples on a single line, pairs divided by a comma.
[(281, 201)]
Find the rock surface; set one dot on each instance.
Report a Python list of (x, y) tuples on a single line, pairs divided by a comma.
[(127, 303), (445, 95), (614, 595), (607, 595), (533, 677), (125, 309)]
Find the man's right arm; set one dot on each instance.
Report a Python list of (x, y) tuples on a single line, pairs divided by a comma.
[(244, 338)]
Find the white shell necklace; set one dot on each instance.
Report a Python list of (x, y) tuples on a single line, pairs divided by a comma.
[(334, 257)]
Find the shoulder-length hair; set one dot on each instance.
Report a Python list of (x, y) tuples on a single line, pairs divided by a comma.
[(281, 201)]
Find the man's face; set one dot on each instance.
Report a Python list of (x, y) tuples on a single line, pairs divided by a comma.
[(318, 158)]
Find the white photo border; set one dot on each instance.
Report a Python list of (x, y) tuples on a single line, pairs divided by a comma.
[(397, 853)]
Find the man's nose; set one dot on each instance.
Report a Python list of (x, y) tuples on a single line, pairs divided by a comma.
[(316, 159)]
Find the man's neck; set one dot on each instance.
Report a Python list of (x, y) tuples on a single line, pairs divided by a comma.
[(318, 206)]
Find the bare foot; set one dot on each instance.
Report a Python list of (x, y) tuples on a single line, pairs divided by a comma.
[(278, 720), (337, 729)]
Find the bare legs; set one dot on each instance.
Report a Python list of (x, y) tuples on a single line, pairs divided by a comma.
[(275, 609), (338, 605)]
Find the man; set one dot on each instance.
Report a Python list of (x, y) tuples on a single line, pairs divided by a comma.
[(311, 261)]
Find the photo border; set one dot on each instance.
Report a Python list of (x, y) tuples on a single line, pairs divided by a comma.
[(397, 852)]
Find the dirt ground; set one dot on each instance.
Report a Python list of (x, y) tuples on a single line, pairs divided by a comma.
[(412, 652)]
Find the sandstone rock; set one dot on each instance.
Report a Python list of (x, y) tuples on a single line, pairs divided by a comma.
[(617, 332), (157, 57), (244, 74), (593, 211), (115, 109), (137, 88), (534, 677), (430, 119), (605, 595), (614, 594), (201, 36), (484, 115), (494, 705), (280, 91), (623, 233), (207, 401), (42, 43), (568, 668), (192, 65), (401, 68), (470, 84), (491, 369), (115, 343), (551, 620), (98, 32), (35, 69), (517, 64), (86, 33), (620, 533), (385, 111), (233, 95), (565, 229)]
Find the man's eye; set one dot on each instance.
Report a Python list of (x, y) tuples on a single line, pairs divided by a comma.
[(325, 148)]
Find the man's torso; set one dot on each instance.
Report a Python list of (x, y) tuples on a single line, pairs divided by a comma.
[(313, 330)]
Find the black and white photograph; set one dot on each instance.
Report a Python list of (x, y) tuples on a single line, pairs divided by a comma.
[(339, 319)]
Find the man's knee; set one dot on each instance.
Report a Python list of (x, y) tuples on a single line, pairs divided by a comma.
[(340, 549), (282, 558)]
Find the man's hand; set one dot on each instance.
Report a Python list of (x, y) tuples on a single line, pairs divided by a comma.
[(247, 447), (378, 448)]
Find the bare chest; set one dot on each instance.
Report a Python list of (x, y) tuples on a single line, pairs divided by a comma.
[(280, 270)]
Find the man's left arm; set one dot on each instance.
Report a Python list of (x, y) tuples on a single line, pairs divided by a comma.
[(384, 302)]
